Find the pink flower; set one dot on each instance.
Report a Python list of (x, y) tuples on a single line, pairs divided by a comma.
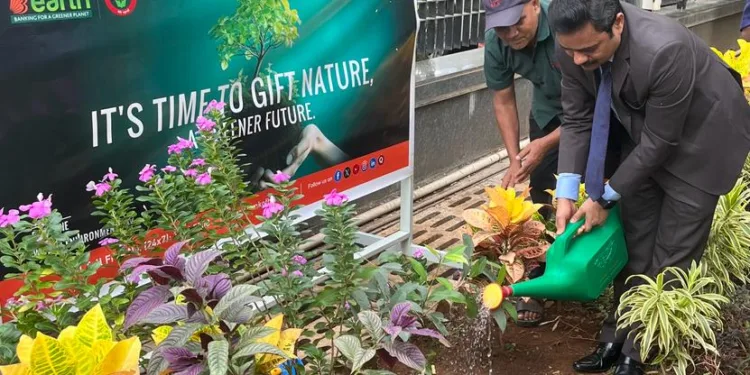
[(271, 207), (9, 219), (299, 259), (111, 176), (297, 273), (190, 172), (198, 162), (173, 149), (419, 253), (334, 198), (99, 188), (281, 177), (204, 178), (108, 241), (214, 105), (169, 169), (283, 272), (347, 305), (181, 145), (205, 124), (39, 209), (147, 173)]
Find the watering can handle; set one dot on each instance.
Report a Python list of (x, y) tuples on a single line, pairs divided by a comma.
[(570, 233)]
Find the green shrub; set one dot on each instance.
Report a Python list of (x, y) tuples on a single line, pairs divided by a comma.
[(673, 318), (727, 257)]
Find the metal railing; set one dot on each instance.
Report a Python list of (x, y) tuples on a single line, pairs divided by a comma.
[(448, 26)]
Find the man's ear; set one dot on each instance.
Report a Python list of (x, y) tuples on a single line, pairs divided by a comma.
[(619, 23)]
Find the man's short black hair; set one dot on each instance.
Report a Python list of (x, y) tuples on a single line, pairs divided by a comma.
[(568, 16)]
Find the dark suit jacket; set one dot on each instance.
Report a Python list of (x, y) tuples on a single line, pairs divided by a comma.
[(682, 106)]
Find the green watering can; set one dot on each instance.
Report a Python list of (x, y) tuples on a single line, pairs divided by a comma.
[(579, 268)]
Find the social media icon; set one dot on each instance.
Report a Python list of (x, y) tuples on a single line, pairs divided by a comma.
[(373, 163), (347, 172), (364, 165), (381, 160), (355, 169), (337, 176)]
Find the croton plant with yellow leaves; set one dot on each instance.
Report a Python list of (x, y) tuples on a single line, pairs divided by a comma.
[(505, 230), (739, 60), (88, 348)]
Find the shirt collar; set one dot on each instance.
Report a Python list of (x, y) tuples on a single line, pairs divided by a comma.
[(542, 29)]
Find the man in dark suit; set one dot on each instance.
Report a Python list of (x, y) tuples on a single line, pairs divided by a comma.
[(686, 135)]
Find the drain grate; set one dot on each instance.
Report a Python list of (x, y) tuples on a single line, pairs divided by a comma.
[(437, 217)]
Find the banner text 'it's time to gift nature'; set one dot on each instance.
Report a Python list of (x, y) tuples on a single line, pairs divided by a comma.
[(270, 90)]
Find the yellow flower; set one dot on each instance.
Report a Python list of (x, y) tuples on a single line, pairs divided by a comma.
[(507, 207)]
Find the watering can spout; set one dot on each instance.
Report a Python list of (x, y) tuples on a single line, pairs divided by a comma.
[(579, 268)]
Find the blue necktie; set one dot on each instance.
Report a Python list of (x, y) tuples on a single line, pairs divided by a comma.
[(599, 136)]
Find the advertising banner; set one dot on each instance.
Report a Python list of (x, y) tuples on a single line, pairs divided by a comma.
[(320, 89)]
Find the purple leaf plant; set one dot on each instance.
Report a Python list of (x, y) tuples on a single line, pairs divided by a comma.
[(173, 270), (183, 361), (401, 321), (394, 349)]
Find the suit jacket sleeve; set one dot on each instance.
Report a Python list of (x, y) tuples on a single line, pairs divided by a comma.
[(578, 114), (671, 79)]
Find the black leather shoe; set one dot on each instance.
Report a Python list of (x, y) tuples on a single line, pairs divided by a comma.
[(629, 366), (601, 360)]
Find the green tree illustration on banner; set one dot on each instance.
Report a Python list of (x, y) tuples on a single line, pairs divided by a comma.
[(257, 27)]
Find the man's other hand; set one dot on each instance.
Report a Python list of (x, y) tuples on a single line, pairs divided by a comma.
[(566, 208), (530, 158), (593, 213), (509, 180)]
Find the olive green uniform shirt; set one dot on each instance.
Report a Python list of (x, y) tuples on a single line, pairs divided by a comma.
[(536, 63)]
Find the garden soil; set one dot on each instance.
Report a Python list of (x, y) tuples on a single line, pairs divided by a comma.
[(568, 332)]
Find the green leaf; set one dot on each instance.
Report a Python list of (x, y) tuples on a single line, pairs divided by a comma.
[(361, 298), (361, 357), (438, 320), (478, 267), (447, 295), (372, 323), (348, 346), (501, 319), (218, 357), (447, 284), (456, 256), (259, 348), (239, 294), (501, 274), (418, 269), (403, 292), (255, 333), (472, 308), (510, 308), (468, 252)]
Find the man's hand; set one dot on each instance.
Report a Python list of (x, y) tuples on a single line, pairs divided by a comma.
[(530, 157), (566, 208), (593, 213), (510, 175)]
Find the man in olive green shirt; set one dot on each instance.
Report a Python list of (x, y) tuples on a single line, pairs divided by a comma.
[(518, 40)]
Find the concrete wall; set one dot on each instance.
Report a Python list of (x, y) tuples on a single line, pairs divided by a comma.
[(454, 120)]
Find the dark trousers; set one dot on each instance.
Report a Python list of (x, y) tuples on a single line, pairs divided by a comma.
[(666, 224)]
